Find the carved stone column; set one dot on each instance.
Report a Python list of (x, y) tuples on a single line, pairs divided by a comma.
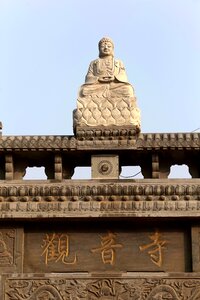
[(9, 168)]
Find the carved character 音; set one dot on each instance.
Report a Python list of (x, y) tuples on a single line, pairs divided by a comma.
[(108, 248)]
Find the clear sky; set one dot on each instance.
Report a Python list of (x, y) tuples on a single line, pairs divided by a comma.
[(47, 45)]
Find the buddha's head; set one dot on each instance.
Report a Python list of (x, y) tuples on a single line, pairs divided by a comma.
[(106, 47)]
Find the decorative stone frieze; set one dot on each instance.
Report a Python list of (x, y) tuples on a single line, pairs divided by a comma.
[(100, 199), (64, 287)]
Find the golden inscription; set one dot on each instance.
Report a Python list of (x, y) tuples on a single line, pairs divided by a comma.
[(107, 249), (157, 245), (56, 248)]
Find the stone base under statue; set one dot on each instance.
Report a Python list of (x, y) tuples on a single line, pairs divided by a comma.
[(106, 132), (106, 114)]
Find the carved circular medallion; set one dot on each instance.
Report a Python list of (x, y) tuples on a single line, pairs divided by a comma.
[(105, 167)]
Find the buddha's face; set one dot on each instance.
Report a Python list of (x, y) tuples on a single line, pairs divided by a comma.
[(105, 48)]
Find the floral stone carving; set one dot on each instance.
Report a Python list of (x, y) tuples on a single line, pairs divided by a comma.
[(102, 289)]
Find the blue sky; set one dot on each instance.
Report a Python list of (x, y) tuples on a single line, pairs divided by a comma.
[(47, 45)]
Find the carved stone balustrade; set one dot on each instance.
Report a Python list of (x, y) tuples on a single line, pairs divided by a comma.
[(155, 153)]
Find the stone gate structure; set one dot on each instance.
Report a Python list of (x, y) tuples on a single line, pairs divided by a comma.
[(105, 238)]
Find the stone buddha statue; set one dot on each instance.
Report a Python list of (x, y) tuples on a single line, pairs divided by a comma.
[(107, 98), (106, 76)]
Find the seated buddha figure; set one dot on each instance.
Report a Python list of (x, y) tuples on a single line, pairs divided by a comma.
[(106, 98), (106, 76)]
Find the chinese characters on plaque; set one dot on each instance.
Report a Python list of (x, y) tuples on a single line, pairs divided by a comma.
[(56, 248), (107, 248), (156, 246)]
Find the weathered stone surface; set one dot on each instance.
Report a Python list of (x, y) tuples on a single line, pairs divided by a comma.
[(105, 166), (104, 209), (45, 199), (103, 139), (195, 236), (35, 143), (107, 112), (11, 249), (66, 287)]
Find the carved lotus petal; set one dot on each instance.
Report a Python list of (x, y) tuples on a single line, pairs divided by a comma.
[(135, 115), (111, 121), (92, 104), (121, 121), (80, 104), (96, 100), (122, 104), (92, 121), (125, 113), (116, 113), (86, 114), (96, 113), (106, 113), (102, 121), (106, 104), (78, 114)]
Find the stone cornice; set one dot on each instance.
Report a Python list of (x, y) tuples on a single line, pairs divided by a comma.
[(130, 198), (34, 143), (149, 141)]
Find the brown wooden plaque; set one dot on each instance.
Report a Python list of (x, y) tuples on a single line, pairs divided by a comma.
[(109, 249)]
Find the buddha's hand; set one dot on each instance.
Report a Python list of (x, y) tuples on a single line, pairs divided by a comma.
[(106, 78)]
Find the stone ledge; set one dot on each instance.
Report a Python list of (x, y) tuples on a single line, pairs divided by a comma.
[(147, 198), (162, 141), (57, 210), (34, 143), (106, 133), (98, 190)]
